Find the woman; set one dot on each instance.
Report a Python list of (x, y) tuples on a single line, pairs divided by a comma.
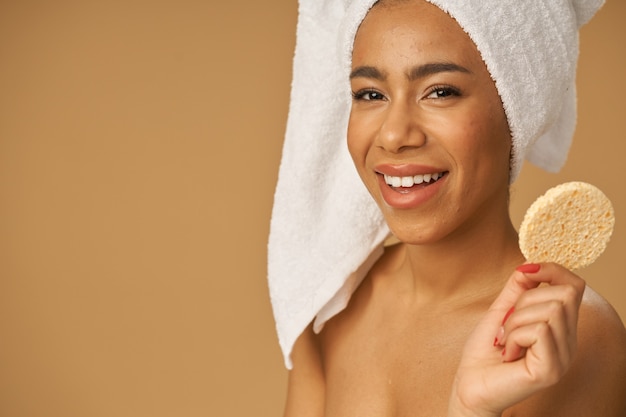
[(450, 320)]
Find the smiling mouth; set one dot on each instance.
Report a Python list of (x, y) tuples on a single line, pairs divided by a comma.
[(404, 183)]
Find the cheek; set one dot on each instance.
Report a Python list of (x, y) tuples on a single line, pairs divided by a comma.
[(500, 140), (490, 133)]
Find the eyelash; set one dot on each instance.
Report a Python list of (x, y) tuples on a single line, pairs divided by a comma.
[(442, 91), (361, 94), (448, 90)]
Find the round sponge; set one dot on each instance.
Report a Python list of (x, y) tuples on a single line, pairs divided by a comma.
[(570, 224)]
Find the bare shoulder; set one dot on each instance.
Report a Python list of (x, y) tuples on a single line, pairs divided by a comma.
[(602, 338), (601, 335), (594, 385), (596, 311), (600, 366)]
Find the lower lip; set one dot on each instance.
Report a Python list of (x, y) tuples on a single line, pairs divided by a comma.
[(408, 198)]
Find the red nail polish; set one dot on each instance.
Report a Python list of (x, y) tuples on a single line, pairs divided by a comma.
[(499, 336), (528, 268), (508, 313)]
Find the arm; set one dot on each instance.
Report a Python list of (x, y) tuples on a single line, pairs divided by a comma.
[(305, 389), (536, 339)]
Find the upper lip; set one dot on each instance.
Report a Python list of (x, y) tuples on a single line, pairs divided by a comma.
[(406, 170)]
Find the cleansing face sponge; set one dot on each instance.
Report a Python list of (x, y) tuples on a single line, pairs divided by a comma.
[(570, 224)]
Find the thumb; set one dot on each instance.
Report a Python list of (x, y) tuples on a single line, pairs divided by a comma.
[(517, 284)]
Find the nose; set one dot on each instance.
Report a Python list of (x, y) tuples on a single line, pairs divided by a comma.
[(400, 128)]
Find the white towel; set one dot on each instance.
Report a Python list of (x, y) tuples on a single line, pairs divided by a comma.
[(326, 231)]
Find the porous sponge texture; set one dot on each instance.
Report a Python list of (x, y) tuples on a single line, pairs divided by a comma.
[(571, 224)]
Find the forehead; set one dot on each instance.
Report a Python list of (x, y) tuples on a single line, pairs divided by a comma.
[(412, 29)]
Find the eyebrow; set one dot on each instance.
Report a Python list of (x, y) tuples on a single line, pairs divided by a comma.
[(367, 72), (414, 73)]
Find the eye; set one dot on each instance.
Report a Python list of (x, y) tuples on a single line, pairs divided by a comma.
[(367, 95), (439, 92)]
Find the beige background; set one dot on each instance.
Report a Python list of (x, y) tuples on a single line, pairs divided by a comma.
[(139, 146)]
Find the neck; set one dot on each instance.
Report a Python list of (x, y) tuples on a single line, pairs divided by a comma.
[(463, 267)]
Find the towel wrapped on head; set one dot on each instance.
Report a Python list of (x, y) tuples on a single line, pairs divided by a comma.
[(326, 231)]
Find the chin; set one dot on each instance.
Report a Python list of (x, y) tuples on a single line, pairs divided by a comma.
[(415, 233)]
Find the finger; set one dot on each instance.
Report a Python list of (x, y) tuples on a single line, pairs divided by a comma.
[(551, 312), (541, 361), (559, 299), (516, 285), (528, 277), (568, 295), (552, 274), (563, 285)]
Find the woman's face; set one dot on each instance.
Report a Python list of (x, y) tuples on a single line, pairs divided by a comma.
[(427, 130)]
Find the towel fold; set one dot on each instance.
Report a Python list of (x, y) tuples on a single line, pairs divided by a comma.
[(326, 231)]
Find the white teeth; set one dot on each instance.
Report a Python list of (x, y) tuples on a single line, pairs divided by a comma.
[(410, 181), (407, 181)]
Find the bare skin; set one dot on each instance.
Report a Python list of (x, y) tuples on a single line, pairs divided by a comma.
[(423, 334), (396, 345), (407, 366)]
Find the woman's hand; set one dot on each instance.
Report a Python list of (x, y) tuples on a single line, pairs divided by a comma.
[(534, 327)]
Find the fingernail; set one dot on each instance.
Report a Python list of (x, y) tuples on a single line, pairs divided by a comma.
[(499, 336), (507, 315), (528, 268)]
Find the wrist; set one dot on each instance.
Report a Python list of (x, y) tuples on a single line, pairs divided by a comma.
[(457, 407)]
